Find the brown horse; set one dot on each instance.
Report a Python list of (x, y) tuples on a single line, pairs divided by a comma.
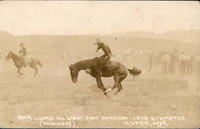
[(31, 62), (91, 66)]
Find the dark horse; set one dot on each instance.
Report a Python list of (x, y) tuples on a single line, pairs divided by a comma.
[(116, 69), (31, 62)]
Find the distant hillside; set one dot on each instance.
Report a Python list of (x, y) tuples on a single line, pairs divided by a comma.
[(192, 36), (80, 45)]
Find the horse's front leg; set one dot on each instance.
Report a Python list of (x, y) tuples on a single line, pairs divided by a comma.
[(35, 69), (100, 84), (19, 71)]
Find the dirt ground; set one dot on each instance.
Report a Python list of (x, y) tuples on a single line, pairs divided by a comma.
[(52, 94)]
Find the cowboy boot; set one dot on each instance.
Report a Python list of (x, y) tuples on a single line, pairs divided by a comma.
[(88, 71)]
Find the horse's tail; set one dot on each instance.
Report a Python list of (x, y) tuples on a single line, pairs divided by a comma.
[(39, 62), (134, 71)]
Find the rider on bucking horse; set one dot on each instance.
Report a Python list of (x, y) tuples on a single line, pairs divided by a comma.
[(107, 53), (106, 49), (104, 58), (23, 53)]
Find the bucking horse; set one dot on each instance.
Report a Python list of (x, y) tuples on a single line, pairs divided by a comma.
[(18, 62), (116, 69)]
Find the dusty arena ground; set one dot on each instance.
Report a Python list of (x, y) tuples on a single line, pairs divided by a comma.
[(53, 94), (155, 37)]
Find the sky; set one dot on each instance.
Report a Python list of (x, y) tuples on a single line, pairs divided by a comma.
[(97, 17)]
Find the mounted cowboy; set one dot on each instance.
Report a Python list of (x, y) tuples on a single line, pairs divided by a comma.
[(23, 53), (107, 51)]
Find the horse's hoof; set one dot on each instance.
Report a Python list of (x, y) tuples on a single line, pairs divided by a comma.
[(105, 93), (116, 93), (108, 90)]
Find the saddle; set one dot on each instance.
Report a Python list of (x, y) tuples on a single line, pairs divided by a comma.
[(24, 60)]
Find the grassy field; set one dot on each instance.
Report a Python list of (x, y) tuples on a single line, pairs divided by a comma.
[(53, 94)]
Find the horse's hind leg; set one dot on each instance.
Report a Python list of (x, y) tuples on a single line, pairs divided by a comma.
[(118, 81), (116, 78), (36, 71), (116, 84)]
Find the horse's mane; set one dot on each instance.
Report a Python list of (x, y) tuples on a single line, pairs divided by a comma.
[(85, 63)]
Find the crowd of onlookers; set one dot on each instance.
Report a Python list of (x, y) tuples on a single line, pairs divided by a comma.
[(176, 61), (163, 60)]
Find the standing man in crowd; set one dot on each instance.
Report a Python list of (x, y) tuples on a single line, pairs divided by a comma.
[(150, 60)]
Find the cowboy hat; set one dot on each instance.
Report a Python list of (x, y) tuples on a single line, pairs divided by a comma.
[(21, 44), (98, 41)]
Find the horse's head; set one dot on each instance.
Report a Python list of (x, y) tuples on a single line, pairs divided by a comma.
[(9, 55), (74, 73)]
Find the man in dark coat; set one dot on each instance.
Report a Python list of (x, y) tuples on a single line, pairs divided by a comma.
[(104, 58), (107, 53), (23, 53), (106, 49)]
